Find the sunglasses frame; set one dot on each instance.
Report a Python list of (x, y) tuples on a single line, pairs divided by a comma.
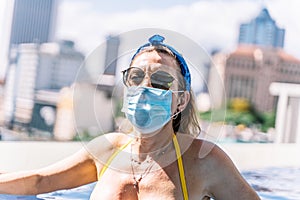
[(125, 78)]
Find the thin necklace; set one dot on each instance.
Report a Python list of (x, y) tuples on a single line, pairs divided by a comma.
[(142, 175), (148, 168)]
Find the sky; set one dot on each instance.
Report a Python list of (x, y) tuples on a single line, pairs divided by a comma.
[(213, 24)]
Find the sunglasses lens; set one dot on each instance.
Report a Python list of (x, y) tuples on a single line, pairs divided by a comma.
[(161, 80), (134, 76)]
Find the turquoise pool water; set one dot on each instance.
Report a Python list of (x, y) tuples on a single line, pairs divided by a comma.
[(270, 184)]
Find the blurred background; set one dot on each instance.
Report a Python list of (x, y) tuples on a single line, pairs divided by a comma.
[(60, 63), (248, 90)]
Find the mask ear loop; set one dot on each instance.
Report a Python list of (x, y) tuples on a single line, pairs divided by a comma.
[(178, 111), (175, 115), (176, 120)]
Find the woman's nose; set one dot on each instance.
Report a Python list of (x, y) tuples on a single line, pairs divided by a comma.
[(146, 81)]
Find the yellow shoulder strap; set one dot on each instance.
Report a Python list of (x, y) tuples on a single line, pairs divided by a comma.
[(180, 167), (111, 158)]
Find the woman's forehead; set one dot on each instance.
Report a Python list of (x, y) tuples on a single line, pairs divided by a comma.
[(153, 57)]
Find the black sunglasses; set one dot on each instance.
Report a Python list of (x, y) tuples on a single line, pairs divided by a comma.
[(134, 76)]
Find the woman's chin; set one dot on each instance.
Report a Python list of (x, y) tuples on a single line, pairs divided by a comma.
[(142, 134)]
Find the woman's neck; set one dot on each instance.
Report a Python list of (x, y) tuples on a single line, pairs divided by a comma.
[(144, 146)]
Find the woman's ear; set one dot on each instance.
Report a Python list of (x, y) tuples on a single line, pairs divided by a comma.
[(183, 100)]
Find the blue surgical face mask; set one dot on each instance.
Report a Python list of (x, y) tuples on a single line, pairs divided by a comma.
[(148, 109)]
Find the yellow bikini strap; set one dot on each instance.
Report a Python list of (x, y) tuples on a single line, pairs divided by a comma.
[(180, 167), (179, 161), (112, 157)]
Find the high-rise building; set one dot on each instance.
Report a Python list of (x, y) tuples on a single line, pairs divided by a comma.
[(258, 61), (216, 79), (26, 21), (111, 55), (263, 31), (34, 69), (106, 80), (33, 21)]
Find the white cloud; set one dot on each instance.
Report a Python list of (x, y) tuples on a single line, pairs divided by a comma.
[(5, 20), (210, 23)]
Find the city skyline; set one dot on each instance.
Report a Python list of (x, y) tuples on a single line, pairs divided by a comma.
[(89, 22), (200, 21)]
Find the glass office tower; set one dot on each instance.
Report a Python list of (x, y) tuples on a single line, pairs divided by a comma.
[(33, 21), (263, 31)]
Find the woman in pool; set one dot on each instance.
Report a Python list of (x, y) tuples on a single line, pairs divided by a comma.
[(160, 158)]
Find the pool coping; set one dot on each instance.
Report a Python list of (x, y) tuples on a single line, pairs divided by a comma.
[(27, 155)]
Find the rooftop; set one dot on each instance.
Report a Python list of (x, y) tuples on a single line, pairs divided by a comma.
[(249, 51)]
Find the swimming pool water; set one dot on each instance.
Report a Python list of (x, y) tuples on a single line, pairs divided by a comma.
[(270, 184), (275, 183)]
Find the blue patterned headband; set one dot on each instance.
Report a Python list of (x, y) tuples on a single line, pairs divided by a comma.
[(157, 40)]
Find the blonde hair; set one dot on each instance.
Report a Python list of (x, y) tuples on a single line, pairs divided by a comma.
[(186, 121)]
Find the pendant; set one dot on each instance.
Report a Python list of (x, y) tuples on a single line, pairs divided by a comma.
[(136, 186)]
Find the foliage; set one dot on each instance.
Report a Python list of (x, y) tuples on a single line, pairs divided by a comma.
[(84, 136), (119, 105), (240, 111)]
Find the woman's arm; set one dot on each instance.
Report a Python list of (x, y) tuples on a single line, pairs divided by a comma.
[(226, 181), (76, 170)]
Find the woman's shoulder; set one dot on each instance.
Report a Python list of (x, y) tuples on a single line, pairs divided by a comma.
[(200, 148), (209, 154), (107, 142), (112, 137)]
